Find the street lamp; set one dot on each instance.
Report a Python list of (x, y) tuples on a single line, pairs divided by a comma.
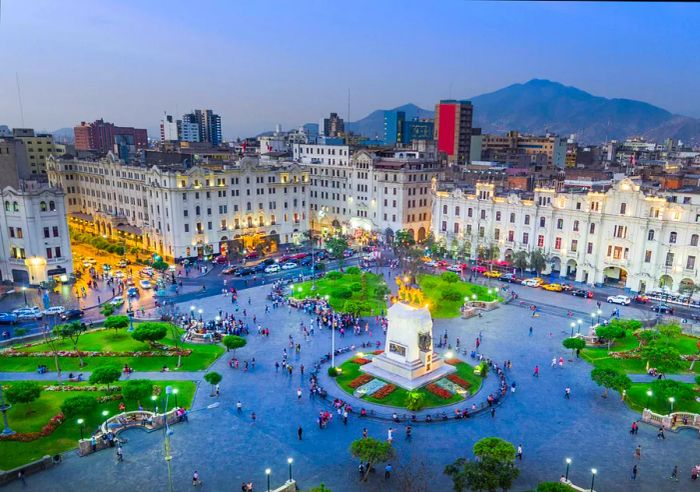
[(332, 339), (4, 407), (593, 472), (268, 472), (599, 312), (24, 291), (592, 318), (568, 463), (289, 462), (200, 314), (175, 392), (80, 423), (153, 399), (649, 393), (105, 413), (671, 399), (166, 435), (579, 321), (572, 328), (474, 297)]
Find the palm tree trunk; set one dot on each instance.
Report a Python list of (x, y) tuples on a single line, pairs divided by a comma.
[(80, 357)]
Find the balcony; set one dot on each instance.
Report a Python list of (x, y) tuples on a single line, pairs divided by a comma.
[(617, 262)]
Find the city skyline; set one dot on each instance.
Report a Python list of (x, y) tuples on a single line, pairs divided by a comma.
[(292, 81)]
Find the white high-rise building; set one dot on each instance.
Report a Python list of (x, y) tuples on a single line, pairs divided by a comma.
[(168, 129)]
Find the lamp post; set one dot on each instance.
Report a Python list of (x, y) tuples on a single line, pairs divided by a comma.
[(166, 428), (289, 462), (4, 407), (568, 464), (175, 392), (105, 413), (671, 400), (268, 472), (80, 423), (599, 312), (592, 318), (332, 339), (578, 322), (200, 314), (24, 291), (191, 312), (572, 328), (649, 393), (155, 407), (593, 473)]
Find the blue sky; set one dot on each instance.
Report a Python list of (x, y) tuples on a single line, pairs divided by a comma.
[(266, 62)]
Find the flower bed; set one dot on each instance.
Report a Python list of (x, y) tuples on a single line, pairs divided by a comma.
[(68, 387), (438, 391), (378, 352), (360, 380), (453, 388), (361, 361), (453, 361), (459, 381), (384, 392), (47, 430), (369, 388), (106, 398), (11, 352)]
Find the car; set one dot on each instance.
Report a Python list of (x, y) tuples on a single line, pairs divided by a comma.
[(641, 299), (252, 255), (532, 282), (306, 261), (348, 253), (132, 292), (27, 313), (455, 268), (479, 269), (510, 278), (117, 301), (268, 261), (220, 260), (299, 256), (567, 287), (8, 319), (72, 314), (106, 267), (145, 284), (619, 299), (662, 309), (123, 263), (289, 265), (321, 255), (553, 287), (582, 293), (54, 310), (245, 271), (148, 271), (229, 270), (130, 281), (431, 263), (272, 268), (119, 274), (492, 274)]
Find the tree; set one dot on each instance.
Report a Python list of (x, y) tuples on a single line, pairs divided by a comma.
[(160, 265), (51, 340), (494, 447), (610, 333), (213, 378), (575, 344), (233, 342), (23, 392), (320, 488), (667, 388), (107, 309), (116, 322), (553, 487), (487, 474), (403, 239), (411, 261), (610, 379), (336, 247), (372, 451), (669, 331), (538, 261), (72, 332), (663, 358), (520, 261), (137, 390), (78, 405), (389, 235), (150, 332), (105, 375)]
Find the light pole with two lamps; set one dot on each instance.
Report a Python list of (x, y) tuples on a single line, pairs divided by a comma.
[(573, 325), (578, 322)]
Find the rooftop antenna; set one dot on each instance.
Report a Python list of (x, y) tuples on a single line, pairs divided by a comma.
[(19, 98), (348, 106)]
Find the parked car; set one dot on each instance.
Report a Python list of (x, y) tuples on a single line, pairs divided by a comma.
[(619, 299), (245, 271), (253, 255), (510, 278), (641, 299), (455, 268), (289, 265), (8, 319), (532, 282), (321, 255), (306, 261), (272, 268), (662, 309), (431, 263), (129, 281), (268, 261), (220, 260), (27, 313), (348, 253), (553, 287), (479, 269), (133, 291), (567, 287), (72, 314), (229, 270), (148, 271), (145, 284), (582, 293), (54, 311), (123, 263), (119, 274), (117, 301), (492, 274), (300, 256)]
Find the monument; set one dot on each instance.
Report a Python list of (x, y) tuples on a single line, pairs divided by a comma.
[(408, 360)]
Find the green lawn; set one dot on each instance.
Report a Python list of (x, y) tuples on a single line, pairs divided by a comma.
[(446, 298), (397, 398), (109, 340), (366, 288), (637, 400), (32, 417)]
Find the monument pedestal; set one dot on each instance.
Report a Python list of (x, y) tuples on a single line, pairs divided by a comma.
[(407, 376)]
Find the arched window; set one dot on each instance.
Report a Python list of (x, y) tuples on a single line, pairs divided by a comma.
[(694, 240), (672, 237), (7, 206), (261, 221), (52, 206), (42, 206), (250, 221), (650, 235), (15, 206)]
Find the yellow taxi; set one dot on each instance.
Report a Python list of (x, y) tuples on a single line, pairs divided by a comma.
[(553, 287), (492, 274)]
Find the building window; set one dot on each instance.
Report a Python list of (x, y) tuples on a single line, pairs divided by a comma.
[(55, 231), (481, 231), (456, 211), (574, 245), (672, 238), (557, 243), (589, 248), (49, 253), (647, 256), (620, 231), (694, 240), (669, 259), (560, 224), (591, 229), (650, 235), (444, 209), (52, 206), (187, 228), (623, 208), (576, 226), (483, 214), (469, 212), (690, 264), (456, 228), (444, 226), (498, 216), (526, 237), (527, 220), (42, 206), (511, 236), (540, 241), (58, 251), (46, 232), (542, 222), (512, 218), (497, 234)]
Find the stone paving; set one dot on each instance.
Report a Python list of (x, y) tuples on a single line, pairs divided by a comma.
[(227, 447)]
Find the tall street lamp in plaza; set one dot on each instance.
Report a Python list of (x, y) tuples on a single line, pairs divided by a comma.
[(568, 464), (289, 462), (167, 432), (593, 473), (175, 392), (4, 407), (649, 393), (592, 318), (81, 423), (671, 400), (578, 322), (155, 407), (599, 312), (24, 291), (572, 328), (268, 472), (191, 312), (332, 339), (200, 314)]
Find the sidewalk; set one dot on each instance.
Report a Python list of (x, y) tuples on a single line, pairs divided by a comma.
[(646, 378), (155, 376)]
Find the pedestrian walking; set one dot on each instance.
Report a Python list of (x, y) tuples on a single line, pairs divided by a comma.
[(300, 431), (20, 475), (493, 412), (120, 453), (218, 391), (638, 452), (634, 473), (298, 394), (252, 416), (387, 471), (554, 362), (567, 393), (364, 432), (195, 479), (537, 372), (674, 473), (390, 435), (660, 434), (530, 334), (519, 453), (239, 406)]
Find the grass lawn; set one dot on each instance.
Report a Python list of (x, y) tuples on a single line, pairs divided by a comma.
[(366, 288), (436, 290), (637, 400), (32, 417), (119, 341), (599, 356), (397, 398)]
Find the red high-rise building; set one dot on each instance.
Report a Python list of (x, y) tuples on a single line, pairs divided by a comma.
[(100, 136), (453, 129)]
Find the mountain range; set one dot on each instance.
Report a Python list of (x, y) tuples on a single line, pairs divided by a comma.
[(541, 106)]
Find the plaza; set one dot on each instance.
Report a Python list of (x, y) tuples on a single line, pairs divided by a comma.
[(228, 447)]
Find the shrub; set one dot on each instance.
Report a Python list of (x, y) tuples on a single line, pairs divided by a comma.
[(233, 342), (553, 487), (451, 293), (355, 307), (107, 310), (137, 389), (666, 388), (334, 275), (353, 270), (150, 332), (333, 372), (428, 284), (342, 293), (116, 322), (360, 380), (78, 405), (414, 401), (449, 277), (355, 287), (23, 392), (105, 375), (384, 391)]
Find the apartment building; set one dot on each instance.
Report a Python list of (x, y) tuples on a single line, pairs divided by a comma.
[(623, 236), (544, 150), (179, 211)]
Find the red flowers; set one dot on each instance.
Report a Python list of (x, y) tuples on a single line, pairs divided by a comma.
[(384, 391), (47, 430), (453, 361), (361, 361), (438, 391), (459, 381), (378, 352), (360, 380)]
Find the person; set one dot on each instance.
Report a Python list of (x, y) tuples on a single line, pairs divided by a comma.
[(361, 469), (409, 430), (299, 432), (537, 371), (390, 435), (239, 406), (252, 416), (218, 390), (519, 453), (298, 394), (93, 443), (660, 434), (493, 412), (567, 393), (20, 475), (387, 471), (120, 453), (638, 452), (634, 473), (195, 479), (530, 334), (674, 473), (364, 432)]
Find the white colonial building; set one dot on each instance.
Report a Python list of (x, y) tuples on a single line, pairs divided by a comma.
[(34, 239), (185, 212), (622, 236)]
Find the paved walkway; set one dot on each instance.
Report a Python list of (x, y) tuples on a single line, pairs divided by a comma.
[(228, 447), (646, 378), (156, 376)]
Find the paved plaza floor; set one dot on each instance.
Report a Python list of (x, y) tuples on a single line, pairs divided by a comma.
[(228, 447)]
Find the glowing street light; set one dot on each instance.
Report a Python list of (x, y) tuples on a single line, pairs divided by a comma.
[(593, 473), (268, 472), (568, 464), (80, 423), (579, 321), (289, 462), (649, 393), (672, 400), (573, 325)]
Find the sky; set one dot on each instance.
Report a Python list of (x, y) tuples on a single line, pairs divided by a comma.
[(266, 62)]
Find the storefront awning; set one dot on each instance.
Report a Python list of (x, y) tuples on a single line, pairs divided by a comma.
[(129, 229), (56, 271), (81, 216)]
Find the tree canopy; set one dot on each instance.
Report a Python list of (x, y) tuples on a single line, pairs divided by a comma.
[(538, 261), (372, 451), (610, 379), (105, 375), (137, 389), (664, 358), (75, 406), (487, 474), (116, 322), (233, 342), (336, 246), (574, 343), (494, 447), (610, 332), (22, 392), (150, 332)]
